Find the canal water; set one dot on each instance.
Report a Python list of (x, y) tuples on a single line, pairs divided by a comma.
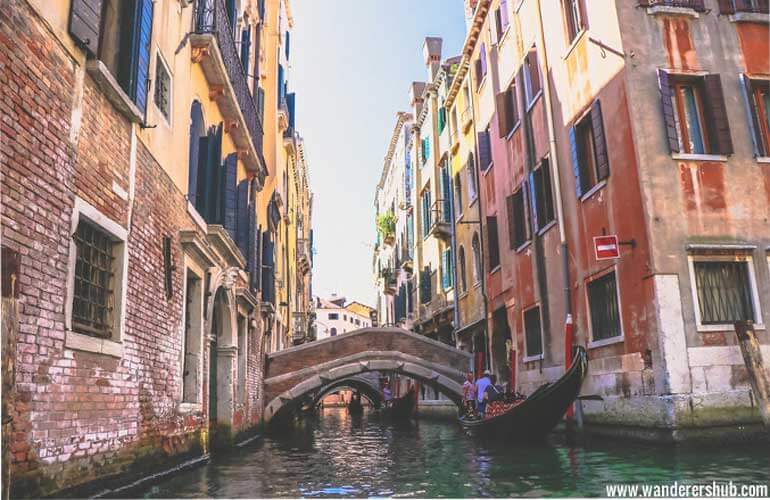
[(335, 455)]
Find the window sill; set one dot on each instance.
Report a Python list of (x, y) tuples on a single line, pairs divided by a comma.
[(698, 157), (545, 228), (197, 217), (763, 159), (594, 344), (513, 131), (529, 359), (81, 342), (523, 246), (749, 17), (481, 83), (534, 99), (727, 327), (504, 37), (669, 10), (598, 187), (112, 90), (495, 269), (462, 295), (574, 43)]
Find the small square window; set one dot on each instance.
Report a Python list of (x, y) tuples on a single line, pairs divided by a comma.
[(162, 88), (573, 17), (533, 332), (604, 307), (724, 292), (334, 316)]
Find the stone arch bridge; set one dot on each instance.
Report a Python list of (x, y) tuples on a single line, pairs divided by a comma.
[(297, 372)]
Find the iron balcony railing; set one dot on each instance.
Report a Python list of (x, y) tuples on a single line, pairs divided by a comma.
[(688, 4), (212, 18), (760, 6)]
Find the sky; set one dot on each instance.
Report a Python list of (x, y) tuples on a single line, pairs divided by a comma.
[(351, 65)]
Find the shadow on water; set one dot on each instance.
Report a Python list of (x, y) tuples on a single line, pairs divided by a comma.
[(335, 455)]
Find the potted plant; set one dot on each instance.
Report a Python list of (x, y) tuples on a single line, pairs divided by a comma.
[(386, 225)]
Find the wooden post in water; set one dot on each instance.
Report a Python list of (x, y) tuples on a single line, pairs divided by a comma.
[(752, 357)]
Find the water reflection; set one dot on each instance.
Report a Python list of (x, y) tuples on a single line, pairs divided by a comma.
[(336, 456)]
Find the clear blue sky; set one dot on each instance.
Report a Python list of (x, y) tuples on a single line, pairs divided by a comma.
[(351, 65)]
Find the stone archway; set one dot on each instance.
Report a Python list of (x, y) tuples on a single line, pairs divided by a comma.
[(358, 383), (294, 373)]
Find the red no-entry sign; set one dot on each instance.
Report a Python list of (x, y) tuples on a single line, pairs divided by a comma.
[(606, 247)]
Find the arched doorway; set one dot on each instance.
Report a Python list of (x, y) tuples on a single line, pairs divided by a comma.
[(222, 353)]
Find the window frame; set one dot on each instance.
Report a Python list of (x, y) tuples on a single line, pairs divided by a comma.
[(573, 26), (748, 259), (478, 264), (195, 272), (335, 318), (162, 60), (534, 357), (592, 343), (680, 116), (112, 345)]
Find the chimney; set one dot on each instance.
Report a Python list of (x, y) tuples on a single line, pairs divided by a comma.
[(415, 96), (431, 51)]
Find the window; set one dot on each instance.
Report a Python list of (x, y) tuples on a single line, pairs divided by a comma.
[(463, 278), (518, 230), (756, 94), (334, 316), (425, 285), (476, 248), (344, 317), (458, 196), (725, 290), (542, 196), (501, 19), (447, 269), (494, 247), (533, 333), (507, 111), (333, 332), (162, 88), (589, 150), (358, 322), (246, 47), (481, 65), (93, 299), (485, 150), (694, 113), (604, 308), (191, 362), (118, 34), (425, 149), (441, 119), (573, 18), (426, 213), (470, 169), (531, 76)]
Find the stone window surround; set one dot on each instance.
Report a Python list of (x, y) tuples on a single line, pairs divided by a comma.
[(733, 257), (192, 267), (536, 357), (80, 341), (611, 340), (159, 58)]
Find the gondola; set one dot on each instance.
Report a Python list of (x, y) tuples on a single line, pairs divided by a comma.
[(355, 408), (401, 408), (534, 417)]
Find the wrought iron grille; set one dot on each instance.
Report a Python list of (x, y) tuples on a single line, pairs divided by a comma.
[(533, 332), (212, 18), (688, 4), (603, 302), (761, 6), (724, 295), (93, 297)]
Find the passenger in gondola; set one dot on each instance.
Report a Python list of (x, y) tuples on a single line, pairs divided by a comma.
[(387, 396), (481, 387), (469, 394), (493, 392)]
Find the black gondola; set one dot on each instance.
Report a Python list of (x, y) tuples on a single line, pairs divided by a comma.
[(534, 417), (401, 408), (355, 408)]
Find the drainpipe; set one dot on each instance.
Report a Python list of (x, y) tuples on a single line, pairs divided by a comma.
[(456, 286), (554, 163)]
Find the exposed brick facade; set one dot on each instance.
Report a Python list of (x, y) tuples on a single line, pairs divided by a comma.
[(80, 416)]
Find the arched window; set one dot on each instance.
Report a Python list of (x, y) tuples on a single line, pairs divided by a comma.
[(463, 280), (197, 131), (333, 332), (458, 195), (476, 244)]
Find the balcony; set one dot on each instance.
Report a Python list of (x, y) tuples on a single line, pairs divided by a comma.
[(696, 5), (304, 255), (388, 281), (214, 48), (751, 6), (299, 328), (407, 260), (440, 223)]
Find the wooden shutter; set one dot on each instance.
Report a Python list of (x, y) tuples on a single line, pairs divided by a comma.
[(252, 246), (504, 14), (140, 62), (267, 268), (85, 21), (534, 201), (242, 218), (196, 125), (600, 141), (246, 48), (751, 111), (726, 7), (498, 25), (502, 104), (477, 71), (280, 84), (575, 161), (666, 98), (483, 59), (201, 184), (534, 72), (445, 281), (288, 44), (485, 153), (230, 195), (719, 127), (211, 199), (493, 242), (510, 205), (548, 208)]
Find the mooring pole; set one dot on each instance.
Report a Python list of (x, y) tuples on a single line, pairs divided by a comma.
[(752, 357)]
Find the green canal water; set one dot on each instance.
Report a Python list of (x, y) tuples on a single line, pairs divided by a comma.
[(336, 456)]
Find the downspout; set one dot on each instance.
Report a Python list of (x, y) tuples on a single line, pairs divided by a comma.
[(453, 244), (554, 163)]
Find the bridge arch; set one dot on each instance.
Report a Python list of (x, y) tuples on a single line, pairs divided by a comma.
[(365, 387), (294, 373)]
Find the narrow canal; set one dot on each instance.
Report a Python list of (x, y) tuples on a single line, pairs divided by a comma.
[(334, 455)]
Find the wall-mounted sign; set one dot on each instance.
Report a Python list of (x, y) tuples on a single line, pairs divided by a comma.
[(606, 247)]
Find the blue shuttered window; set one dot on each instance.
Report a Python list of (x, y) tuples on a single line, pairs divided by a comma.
[(268, 268), (280, 84), (196, 131), (485, 150), (242, 218), (447, 271), (140, 61), (575, 161), (288, 44), (426, 215), (245, 48), (446, 194), (229, 194)]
